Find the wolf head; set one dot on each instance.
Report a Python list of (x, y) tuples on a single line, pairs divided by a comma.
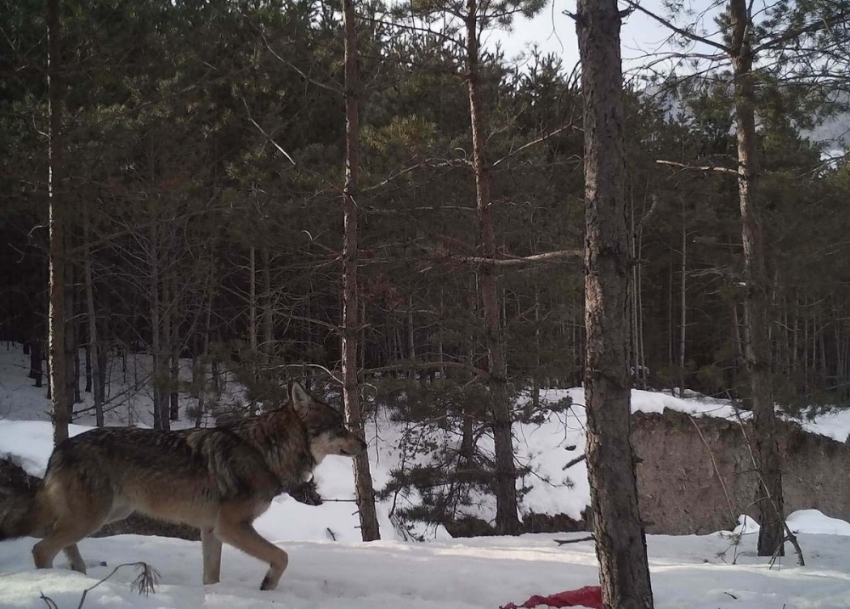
[(325, 426)]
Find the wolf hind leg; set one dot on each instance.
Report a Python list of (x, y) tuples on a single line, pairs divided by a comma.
[(69, 528), (72, 552), (234, 528), (211, 549)]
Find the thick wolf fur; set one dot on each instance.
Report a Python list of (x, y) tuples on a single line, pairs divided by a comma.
[(218, 479)]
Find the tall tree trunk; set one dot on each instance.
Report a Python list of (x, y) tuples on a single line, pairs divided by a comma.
[(507, 521), (362, 476), (619, 532), (58, 215), (684, 311), (757, 351), (92, 357)]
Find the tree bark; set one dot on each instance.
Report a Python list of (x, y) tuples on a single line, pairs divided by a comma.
[(362, 476), (507, 521), (619, 532), (57, 220), (757, 347)]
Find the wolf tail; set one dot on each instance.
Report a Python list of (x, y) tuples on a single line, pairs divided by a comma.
[(21, 505)]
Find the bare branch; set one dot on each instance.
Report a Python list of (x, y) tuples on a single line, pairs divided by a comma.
[(481, 374), (301, 73), (572, 462), (543, 138), (726, 170), (562, 542), (481, 260), (682, 32)]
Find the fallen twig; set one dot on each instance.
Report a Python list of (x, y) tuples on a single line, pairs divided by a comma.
[(563, 542)]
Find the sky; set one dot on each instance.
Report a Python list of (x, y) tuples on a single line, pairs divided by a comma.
[(554, 32)]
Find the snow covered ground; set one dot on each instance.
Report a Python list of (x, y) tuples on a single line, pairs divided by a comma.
[(330, 568), (472, 573)]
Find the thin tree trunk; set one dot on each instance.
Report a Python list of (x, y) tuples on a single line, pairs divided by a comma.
[(58, 214), (795, 345), (72, 358), (362, 476), (441, 331), (78, 398), (36, 360), (174, 339), (165, 303), (670, 359), (89, 384), (823, 362), (757, 352), (644, 373), (535, 377), (736, 336), (507, 521), (92, 355), (634, 286), (200, 381), (411, 339), (252, 307), (618, 529), (805, 344), (103, 373), (268, 308), (684, 307), (155, 327)]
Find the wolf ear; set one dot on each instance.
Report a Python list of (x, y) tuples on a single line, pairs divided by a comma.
[(299, 398)]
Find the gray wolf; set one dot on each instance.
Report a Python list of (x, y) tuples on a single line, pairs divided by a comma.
[(217, 479)]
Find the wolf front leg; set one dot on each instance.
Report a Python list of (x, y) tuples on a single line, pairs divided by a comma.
[(211, 548), (234, 527)]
